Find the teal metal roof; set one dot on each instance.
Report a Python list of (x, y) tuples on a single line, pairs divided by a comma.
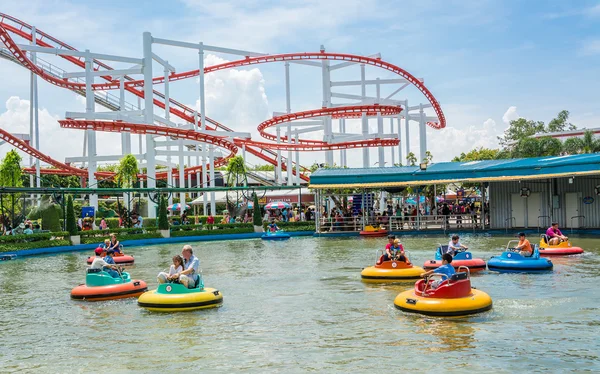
[(448, 172)]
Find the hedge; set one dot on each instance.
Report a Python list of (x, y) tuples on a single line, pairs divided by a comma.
[(24, 238), (9, 247), (295, 226), (100, 239), (237, 230)]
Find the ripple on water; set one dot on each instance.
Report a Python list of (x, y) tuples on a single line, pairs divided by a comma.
[(300, 306)]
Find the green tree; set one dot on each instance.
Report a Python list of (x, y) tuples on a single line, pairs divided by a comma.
[(256, 216), (411, 159), (560, 124), (163, 220), (236, 176), (587, 144), (526, 147), (478, 154), (71, 222), (127, 171), (11, 175), (549, 146), (520, 129), (428, 158)]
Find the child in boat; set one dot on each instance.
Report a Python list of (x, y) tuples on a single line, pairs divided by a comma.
[(398, 250), (524, 247), (389, 254), (455, 246), (273, 227), (100, 263), (115, 245), (106, 244), (446, 270), (176, 267)]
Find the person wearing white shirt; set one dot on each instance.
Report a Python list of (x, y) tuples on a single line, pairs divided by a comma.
[(176, 267), (455, 246)]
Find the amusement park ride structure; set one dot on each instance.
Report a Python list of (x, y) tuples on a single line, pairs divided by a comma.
[(175, 130)]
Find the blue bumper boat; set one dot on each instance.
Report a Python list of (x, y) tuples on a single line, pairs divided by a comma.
[(511, 261), (277, 235)]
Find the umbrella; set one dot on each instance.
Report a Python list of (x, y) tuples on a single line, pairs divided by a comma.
[(177, 206), (277, 205), (248, 204)]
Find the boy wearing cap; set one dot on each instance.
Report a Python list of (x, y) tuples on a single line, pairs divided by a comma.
[(105, 263), (398, 250), (524, 247)]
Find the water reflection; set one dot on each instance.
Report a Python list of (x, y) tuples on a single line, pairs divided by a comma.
[(446, 334)]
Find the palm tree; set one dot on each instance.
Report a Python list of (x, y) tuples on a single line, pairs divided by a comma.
[(587, 144)]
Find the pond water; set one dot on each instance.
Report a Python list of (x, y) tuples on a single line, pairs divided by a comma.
[(300, 306)]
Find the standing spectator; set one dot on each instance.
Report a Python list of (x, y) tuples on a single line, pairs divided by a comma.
[(103, 224)]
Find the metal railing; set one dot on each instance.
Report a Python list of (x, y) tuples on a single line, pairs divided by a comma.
[(512, 220), (579, 225), (539, 221)]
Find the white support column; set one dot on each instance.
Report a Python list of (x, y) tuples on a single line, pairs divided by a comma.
[(36, 122), (393, 149), (363, 118), (32, 77), (407, 140), (140, 136), (326, 104), (400, 159), (91, 134), (211, 158), (149, 119), (196, 127), (244, 157), (342, 129), (380, 128), (202, 123), (168, 117), (181, 167), (298, 180), (288, 108), (125, 136), (422, 133), (278, 176)]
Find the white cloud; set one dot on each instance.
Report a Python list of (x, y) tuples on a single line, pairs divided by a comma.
[(590, 47), (55, 141), (235, 98), (510, 115)]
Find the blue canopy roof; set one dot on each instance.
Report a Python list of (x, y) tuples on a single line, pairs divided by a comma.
[(450, 172)]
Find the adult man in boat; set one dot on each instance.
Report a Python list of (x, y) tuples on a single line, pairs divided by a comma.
[(189, 276), (554, 235)]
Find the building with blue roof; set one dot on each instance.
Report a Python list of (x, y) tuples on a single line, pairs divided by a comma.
[(523, 193)]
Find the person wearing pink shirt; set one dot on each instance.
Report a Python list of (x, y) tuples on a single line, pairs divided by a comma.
[(554, 235)]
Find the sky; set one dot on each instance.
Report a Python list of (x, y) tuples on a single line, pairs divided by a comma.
[(486, 62)]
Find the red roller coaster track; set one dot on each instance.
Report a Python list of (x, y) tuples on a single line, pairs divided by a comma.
[(262, 150)]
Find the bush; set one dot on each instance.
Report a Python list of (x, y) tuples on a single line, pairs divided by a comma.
[(163, 221), (71, 224), (50, 216), (185, 227), (9, 247), (256, 217), (100, 239), (237, 230), (295, 226)]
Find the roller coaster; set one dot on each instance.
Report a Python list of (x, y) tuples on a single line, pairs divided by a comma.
[(197, 129)]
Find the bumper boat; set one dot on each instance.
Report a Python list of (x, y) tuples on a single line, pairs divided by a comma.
[(7, 257), (277, 235), (99, 285), (462, 258), (120, 259), (175, 297), (561, 249), (511, 261), (371, 231), (390, 271), (452, 297)]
